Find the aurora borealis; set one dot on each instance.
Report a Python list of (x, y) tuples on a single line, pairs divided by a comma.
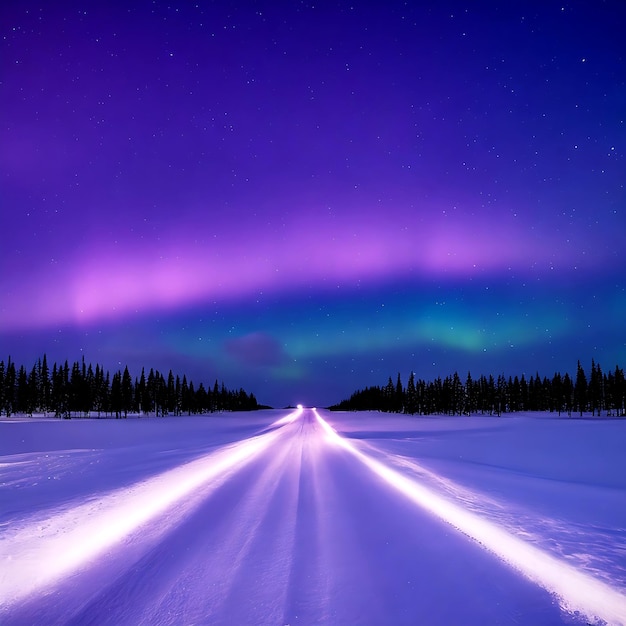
[(305, 198)]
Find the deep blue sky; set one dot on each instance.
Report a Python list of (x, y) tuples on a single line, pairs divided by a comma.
[(302, 199)]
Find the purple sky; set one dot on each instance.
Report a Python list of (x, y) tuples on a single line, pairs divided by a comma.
[(302, 199)]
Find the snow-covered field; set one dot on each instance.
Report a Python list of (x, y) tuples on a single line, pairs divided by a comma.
[(310, 517)]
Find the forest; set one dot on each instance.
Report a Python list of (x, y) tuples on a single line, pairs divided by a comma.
[(597, 393), (82, 390)]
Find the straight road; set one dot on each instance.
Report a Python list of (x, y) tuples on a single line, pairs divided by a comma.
[(296, 530)]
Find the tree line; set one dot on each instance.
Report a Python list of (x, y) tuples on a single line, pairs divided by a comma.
[(488, 395), (82, 390)]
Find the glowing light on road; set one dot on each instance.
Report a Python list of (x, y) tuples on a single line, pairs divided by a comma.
[(576, 590), (46, 550), (294, 415)]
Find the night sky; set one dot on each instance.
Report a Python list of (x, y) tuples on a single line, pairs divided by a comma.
[(303, 198)]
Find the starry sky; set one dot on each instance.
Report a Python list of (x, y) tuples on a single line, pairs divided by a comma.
[(304, 198)]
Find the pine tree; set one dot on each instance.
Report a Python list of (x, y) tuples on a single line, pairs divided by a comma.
[(9, 388), (620, 392), (140, 393), (126, 392), (215, 397), (89, 390), (60, 390), (45, 385), (398, 396), (99, 391), (470, 395), (192, 406), (33, 402), (116, 395), (21, 393), (595, 389), (171, 393), (580, 390), (411, 395), (202, 400), (151, 388), (557, 392), (523, 385), (390, 391), (458, 395), (161, 394)]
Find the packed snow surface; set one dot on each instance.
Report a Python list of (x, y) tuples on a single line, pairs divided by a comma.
[(311, 517)]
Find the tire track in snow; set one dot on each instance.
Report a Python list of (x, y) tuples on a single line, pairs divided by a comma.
[(39, 553), (309, 580), (577, 591), (205, 567)]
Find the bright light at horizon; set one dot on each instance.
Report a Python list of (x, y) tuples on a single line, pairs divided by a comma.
[(577, 590), (287, 419)]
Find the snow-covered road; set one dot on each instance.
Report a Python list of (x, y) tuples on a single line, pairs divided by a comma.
[(286, 522)]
